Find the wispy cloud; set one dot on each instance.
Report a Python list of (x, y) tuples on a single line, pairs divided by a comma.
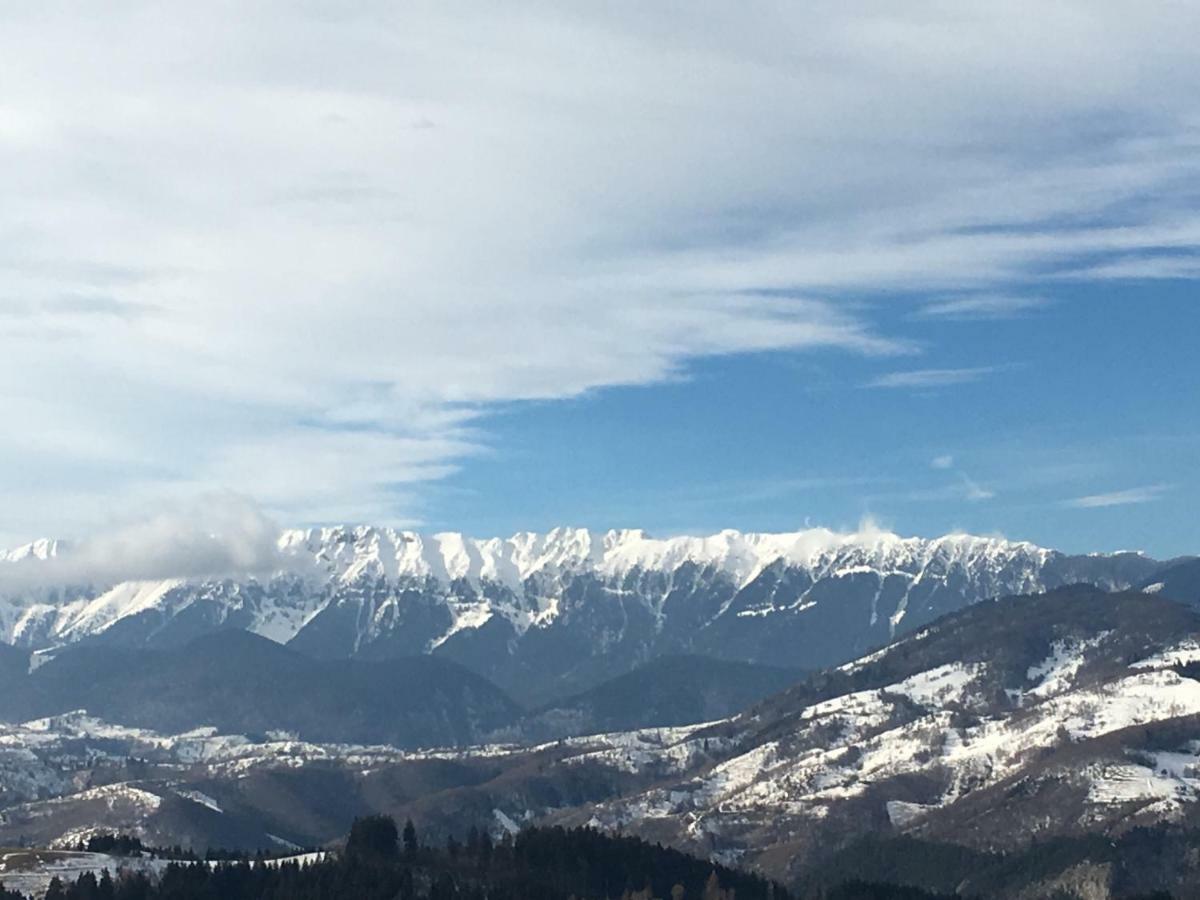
[(1135, 268), (983, 306), (930, 378), (959, 486), (1128, 497), (974, 491), (945, 461), (604, 238)]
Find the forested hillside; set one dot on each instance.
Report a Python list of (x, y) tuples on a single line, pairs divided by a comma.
[(380, 863)]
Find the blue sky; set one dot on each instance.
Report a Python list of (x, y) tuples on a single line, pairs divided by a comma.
[(1083, 434), (674, 266)]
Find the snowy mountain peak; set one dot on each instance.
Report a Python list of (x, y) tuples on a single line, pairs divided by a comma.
[(350, 553), (42, 549), (593, 601)]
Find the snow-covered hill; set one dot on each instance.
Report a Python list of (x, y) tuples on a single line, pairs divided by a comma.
[(1050, 716), (573, 603)]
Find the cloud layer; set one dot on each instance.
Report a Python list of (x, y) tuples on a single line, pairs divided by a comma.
[(210, 537), (930, 379), (301, 252), (1127, 497)]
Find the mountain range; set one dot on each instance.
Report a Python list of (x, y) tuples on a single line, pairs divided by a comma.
[(789, 703), (544, 616), (1007, 737)]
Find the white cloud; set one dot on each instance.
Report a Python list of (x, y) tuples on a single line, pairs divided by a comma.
[(1147, 494), (946, 461), (974, 491), (213, 536), (930, 378), (1159, 266), (301, 253), (983, 306)]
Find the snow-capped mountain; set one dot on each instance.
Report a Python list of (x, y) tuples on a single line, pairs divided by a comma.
[(571, 603)]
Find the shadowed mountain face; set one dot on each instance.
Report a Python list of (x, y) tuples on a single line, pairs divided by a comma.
[(241, 683), (548, 616), (1178, 581), (670, 691)]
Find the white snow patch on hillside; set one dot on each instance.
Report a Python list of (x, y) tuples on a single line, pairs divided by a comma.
[(466, 616), (1133, 783), (505, 822), (901, 813), (1179, 655), (1054, 674), (201, 798), (938, 687), (844, 746)]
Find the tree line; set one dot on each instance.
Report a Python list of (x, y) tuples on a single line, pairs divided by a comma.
[(383, 862)]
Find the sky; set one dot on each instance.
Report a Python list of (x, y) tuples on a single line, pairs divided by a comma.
[(675, 266)]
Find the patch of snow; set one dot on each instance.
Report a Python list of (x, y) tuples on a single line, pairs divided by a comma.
[(938, 687), (901, 813), (1179, 655), (1131, 783), (202, 799), (1054, 674), (506, 823)]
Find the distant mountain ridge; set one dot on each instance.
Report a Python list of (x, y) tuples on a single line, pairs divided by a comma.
[(1070, 718), (668, 691), (241, 683), (564, 610)]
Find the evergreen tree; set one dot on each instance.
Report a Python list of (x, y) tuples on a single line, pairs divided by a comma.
[(410, 840), (373, 837)]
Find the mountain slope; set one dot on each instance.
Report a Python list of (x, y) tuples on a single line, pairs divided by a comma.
[(668, 691), (1178, 580), (241, 683), (545, 616), (1066, 712)]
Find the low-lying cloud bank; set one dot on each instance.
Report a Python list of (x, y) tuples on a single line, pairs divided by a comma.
[(215, 536)]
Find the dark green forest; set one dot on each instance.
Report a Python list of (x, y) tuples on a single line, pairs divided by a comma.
[(383, 862), (380, 862)]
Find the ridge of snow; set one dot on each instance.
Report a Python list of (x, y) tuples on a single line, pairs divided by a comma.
[(349, 553), (41, 549), (519, 578)]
